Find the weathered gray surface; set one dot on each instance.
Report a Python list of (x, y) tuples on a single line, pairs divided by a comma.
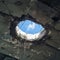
[(43, 13)]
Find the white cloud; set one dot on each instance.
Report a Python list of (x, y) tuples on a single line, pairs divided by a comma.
[(31, 26), (29, 37)]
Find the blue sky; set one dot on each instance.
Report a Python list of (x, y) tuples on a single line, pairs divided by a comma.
[(30, 27)]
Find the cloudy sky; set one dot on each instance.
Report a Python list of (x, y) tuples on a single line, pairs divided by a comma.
[(30, 27), (29, 30)]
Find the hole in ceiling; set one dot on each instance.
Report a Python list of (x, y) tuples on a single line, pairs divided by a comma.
[(30, 30), (27, 28)]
